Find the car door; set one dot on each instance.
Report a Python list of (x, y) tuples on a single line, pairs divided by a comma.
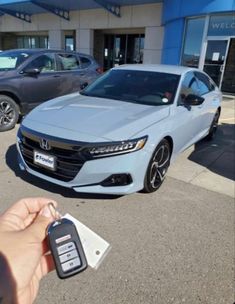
[(186, 120), (211, 96), (43, 86), (70, 72)]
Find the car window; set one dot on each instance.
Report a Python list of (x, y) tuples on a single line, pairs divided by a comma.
[(45, 63), (204, 83), (188, 86), (85, 62), (68, 62), (141, 87), (10, 60)]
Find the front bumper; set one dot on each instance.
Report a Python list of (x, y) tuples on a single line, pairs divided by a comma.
[(94, 172)]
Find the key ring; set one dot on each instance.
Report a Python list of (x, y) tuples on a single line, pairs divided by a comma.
[(55, 214)]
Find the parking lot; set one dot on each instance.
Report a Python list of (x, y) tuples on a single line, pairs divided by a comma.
[(172, 246)]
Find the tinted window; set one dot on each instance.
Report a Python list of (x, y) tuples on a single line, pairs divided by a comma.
[(204, 83), (11, 60), (189, 86), (193, 41), (85, 62), (68, 62), (152, 88), (45, 63)]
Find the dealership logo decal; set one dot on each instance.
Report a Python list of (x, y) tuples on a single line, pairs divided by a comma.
[(44, 144)]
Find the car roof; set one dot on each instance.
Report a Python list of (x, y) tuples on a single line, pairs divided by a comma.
[(38, 50), (163, 68)]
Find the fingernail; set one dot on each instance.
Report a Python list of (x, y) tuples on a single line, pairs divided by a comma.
[(46, 212)]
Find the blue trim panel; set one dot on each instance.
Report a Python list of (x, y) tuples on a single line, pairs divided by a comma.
[(175, 9), (172, 43), (173, 19)]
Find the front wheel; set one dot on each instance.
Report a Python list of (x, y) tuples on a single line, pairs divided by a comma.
[(157, 167), (9, 113)]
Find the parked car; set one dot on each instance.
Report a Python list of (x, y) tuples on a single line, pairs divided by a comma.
[(120, 134), (29, 77)]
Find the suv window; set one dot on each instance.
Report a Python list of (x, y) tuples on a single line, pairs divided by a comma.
[(204, 83), (68, 62), (45, 63), (188, 86), (85, 62), (10, 60)]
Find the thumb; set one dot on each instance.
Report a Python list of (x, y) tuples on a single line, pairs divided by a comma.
[(37, 230)]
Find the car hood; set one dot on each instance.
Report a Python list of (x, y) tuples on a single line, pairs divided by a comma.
[(4, 74), (93, 119)]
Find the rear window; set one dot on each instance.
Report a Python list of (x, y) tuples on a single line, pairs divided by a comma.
[(68, 62), (85, 62), (11, 60)]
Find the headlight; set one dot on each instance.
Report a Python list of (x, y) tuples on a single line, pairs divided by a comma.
[(115, 148)]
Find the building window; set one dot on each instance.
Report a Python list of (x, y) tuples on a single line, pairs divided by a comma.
[(32, 42), (69, 43), (193, 41)]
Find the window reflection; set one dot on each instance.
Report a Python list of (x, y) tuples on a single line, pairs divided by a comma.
[(192, 42)]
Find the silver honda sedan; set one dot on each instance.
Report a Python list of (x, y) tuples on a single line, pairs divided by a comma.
[(120, 134)]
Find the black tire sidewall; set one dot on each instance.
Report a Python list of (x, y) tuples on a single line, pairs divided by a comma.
[(147, 185), (212, 132), (16, 113)]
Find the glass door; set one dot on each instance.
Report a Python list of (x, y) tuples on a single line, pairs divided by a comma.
[(122, 49), (228, 82), (215, 59)]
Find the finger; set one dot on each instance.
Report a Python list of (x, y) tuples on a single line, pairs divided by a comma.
[(27, 206), (45, 248), (46, 265), (29, 219), (37, 231)]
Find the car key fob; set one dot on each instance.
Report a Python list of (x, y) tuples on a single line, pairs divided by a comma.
[(66, 248)]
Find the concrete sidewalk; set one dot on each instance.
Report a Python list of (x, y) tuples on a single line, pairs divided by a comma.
[(211, 165)]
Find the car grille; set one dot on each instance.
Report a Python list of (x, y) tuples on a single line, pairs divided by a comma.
[(69, 158)]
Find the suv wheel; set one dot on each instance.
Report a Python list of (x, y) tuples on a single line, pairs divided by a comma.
[(9, 113)]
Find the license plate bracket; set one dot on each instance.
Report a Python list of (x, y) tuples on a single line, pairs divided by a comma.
[(44, 160)]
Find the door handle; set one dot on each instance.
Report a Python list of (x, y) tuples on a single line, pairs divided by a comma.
[(56, 76), (221, 68)]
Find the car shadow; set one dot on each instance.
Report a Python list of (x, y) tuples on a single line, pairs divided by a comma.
[(12, 163), (217, 155)]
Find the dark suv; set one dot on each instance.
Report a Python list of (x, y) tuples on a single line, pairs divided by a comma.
[(29, 77)]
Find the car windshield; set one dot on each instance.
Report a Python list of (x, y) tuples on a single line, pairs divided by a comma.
[(141, 87), (11, 60)]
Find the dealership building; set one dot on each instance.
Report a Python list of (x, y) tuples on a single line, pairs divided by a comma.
[(197, 33)]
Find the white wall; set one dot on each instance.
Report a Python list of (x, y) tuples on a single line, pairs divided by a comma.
[(146, 16)]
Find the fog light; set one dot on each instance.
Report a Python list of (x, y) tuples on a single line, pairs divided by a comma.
[(117, 180)]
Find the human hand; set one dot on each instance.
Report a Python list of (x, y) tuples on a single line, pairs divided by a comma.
[(24, 254)]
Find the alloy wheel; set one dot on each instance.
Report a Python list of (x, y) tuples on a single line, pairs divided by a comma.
[(159, 165), (7, 113)]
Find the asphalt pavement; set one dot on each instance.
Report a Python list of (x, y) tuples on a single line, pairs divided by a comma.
[(172, 246)]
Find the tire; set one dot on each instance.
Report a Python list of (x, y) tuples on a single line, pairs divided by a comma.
[(157, 167), (9, 113), (214, 126)]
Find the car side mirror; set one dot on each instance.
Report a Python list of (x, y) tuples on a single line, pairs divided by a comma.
[(31, 71), (83, 85), (193, 100)]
